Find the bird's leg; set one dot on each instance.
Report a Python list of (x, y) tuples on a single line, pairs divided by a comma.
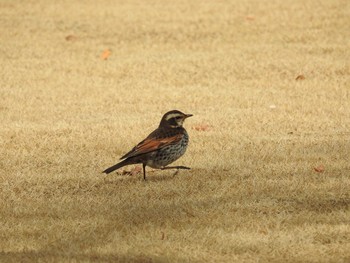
[(144, 171), (175, 167)]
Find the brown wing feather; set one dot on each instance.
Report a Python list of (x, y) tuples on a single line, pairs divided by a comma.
[(152, 144)]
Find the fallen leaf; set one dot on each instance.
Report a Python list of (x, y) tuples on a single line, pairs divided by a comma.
[(136, 170), (163, 236), (105, 54), (300, 77), (263, 231), (319, 169), (123, 172), (71, 38), (201, 127)]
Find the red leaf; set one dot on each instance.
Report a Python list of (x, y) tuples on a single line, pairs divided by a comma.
[(71, 38), (250, 17), (105, 54), (300, 77), (319, 169), (201, 127), (134, 171)]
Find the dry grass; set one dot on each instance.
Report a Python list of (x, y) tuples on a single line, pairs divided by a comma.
[(252, 194)]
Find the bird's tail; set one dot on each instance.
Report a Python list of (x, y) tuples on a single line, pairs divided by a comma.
[(117, 166)]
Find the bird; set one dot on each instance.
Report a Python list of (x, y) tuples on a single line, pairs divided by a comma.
[(161, 147)]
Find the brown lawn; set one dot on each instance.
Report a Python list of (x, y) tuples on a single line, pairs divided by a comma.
[(268, 82)]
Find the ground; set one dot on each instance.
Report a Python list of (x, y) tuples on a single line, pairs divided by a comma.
[(268, 83)]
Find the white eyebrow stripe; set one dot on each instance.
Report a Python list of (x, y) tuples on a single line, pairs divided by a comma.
[(173, 115)]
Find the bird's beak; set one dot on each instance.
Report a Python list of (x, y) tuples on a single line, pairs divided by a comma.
[(188, 115)]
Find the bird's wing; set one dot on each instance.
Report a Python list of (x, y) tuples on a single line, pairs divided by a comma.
[(151, 144)]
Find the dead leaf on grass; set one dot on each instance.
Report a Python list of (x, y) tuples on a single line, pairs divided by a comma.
[(250, 18), (71, 38), (319, 169), (123, 172), (201, 127), (106, 54), (263, 231), (300, 77), (134, 171)]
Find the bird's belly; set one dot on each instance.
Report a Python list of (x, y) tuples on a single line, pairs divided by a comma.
[(168, 154)]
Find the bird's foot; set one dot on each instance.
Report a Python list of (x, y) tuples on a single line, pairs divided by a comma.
[(176, 167)]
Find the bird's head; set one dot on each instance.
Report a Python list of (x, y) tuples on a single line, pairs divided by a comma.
[(174, 119)]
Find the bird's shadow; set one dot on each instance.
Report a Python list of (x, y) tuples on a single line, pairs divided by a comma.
[(152, 176)]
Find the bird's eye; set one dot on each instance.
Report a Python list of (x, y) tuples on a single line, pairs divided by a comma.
[(178, 118)]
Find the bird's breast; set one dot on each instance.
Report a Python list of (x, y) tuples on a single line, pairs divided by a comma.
[(169, 153)]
